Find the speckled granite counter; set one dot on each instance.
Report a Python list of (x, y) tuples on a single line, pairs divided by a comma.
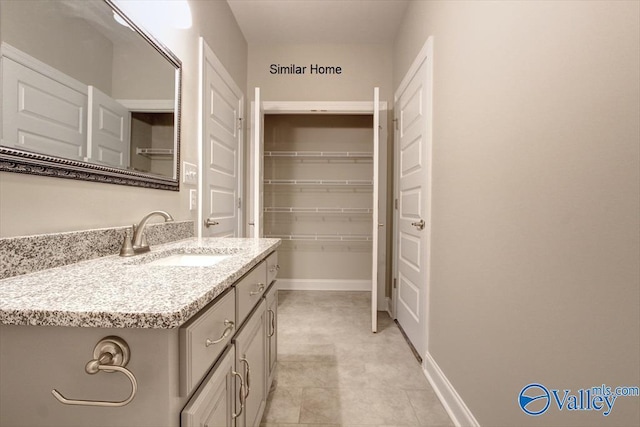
[(116, 292)]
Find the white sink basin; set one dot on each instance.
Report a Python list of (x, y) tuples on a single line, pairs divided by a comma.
[(190, 260)]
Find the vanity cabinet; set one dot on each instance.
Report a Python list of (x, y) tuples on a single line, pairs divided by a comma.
[(212, 370), (249, 347), (234, 392)]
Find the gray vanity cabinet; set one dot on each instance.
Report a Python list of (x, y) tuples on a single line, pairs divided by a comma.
[(214, 402), (210, 371), (251, 364)]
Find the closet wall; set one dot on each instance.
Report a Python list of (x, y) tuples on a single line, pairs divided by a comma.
[(318, 197)]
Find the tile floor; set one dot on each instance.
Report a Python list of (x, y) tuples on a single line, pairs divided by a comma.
[(332, 371)]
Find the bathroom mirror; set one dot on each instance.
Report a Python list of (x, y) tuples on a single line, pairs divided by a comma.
[(87, 94)]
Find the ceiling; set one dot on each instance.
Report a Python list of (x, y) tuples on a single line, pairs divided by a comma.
[(318, 21)]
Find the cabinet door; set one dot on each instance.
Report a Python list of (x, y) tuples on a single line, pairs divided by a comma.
[(212, 405), (251, 364), (272, 333)]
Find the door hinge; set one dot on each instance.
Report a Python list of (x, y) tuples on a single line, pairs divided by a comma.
[(396, 204), (239, 203), (239, 122), (395, 283), (395, 123)]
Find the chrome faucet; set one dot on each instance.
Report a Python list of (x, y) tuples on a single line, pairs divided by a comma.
[(138, 243)]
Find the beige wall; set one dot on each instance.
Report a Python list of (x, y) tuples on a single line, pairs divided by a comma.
[(33, 204), (33, 27), (535, 254), (364, 66)]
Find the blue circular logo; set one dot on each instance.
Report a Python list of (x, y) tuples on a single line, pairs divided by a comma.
[(534, 399)]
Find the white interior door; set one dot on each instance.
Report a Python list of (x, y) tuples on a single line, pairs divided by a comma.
[(109, 135), (375, 226), (222, 110), (256, 173), (413, 221)]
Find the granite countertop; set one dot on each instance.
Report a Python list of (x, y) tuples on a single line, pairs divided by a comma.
[(117, 292)]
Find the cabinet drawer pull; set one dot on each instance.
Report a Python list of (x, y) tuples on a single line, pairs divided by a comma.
[(274, 268), (272, 314), (247, 381), (241, 395), (227, 331), (258, 291)]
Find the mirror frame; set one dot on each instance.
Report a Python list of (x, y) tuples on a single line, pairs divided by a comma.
[(20, 161)]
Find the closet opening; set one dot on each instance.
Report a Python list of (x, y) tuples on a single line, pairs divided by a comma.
[(318, 198)]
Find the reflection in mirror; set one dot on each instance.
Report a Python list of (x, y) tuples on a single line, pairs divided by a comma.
[(86, 97)]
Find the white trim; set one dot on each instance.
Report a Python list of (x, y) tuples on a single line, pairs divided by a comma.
[(29, 61), (449, 397), (375, 229), (257, 141), (324, 285), (321, 107), (200, 144), (149, 105), (389, 306), (241, 195)]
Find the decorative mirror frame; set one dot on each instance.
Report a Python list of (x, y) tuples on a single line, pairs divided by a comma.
[(19, 161)]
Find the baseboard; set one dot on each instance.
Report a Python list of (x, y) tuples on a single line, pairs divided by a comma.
[(450, 399), (390, 307), (324, 285)]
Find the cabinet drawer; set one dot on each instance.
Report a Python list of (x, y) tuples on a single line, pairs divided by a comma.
[(272, 267), (203, 339), (249, 290)]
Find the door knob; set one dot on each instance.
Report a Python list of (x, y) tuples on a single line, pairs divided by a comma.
[(419, 224), (209, 222)]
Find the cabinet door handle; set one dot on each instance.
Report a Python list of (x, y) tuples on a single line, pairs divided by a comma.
[(274, 268), (247, 376), (273, 322), (241, 395), (258, 291), (227, 331)]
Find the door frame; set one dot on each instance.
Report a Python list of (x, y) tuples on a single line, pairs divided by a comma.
[(353, 107), (425, 55), (206, 53)]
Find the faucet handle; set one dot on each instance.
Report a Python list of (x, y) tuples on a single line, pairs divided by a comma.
[(127, 247), (144, 240)]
